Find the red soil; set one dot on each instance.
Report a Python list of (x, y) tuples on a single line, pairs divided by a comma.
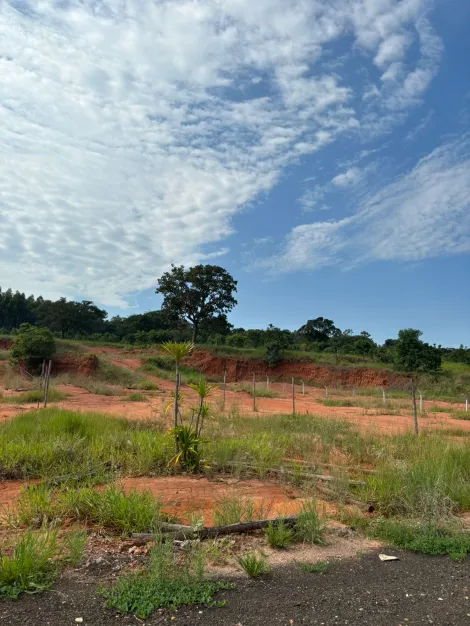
[(243, 369), (71, 363), (5, 344), (185, 496)]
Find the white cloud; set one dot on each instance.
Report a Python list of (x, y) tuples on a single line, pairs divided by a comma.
[(425, 213), (351, 177), (133, 132)]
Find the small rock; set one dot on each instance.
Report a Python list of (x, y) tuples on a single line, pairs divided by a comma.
[(79, 620)]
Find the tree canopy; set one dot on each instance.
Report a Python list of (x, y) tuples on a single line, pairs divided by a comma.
[(197, 294)]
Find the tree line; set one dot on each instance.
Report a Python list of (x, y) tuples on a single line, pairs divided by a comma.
[(196, 302)]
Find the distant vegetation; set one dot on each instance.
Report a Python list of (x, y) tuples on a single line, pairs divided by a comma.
[(196, 303)]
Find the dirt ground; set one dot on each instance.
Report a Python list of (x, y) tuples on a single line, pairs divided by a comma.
[(414, 590), (242, 403)]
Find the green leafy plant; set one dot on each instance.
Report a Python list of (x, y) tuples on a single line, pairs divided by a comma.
[(279, 535), (169, 581), (255, 565), (35, 395), (273, 353), (189, 448), (178, 351), (32, 345), (203, 390)]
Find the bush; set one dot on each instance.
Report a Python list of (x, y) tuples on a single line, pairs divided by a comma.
[(310, 528), (32, 346), (273, 353)]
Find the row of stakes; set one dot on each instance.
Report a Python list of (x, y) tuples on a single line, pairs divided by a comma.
[(384, 394)]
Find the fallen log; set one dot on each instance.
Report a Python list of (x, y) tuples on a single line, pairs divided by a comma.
[(187, 532), (369, 508)]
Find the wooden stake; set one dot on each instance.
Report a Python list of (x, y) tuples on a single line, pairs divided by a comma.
[(415, 412), (254, 391), (420, 402), (41, 380), (225, 384), (384, 397), (326, 392), (293, 396), (267, 381), (46, 383), (303, 387)]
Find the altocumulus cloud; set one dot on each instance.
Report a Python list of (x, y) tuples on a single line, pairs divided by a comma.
[(423, 214), (134, 130)]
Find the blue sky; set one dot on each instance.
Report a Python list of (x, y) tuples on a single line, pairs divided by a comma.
[(319, 151)]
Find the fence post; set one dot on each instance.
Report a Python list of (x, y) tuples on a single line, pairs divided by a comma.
[(415, 412), (283, 388), (43, 370), (384, 397), (420, 401), (303, 387), (466, 403), (225, 384), (254, 391), (46, 383), (326, 392), (353, 392), (267, 381), (293, 396)]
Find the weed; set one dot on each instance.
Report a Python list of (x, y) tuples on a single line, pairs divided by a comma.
[(429, 537), (438, 409), (110, 508), (32, 567), (169, 581), (310, 527), (261, 391), (343, 403), (461, 415), (279, 535), (233, 509), (253, 564), (74, 544), (314, 568), (33, 396), (53, 442), (146, 385), (135, 397)]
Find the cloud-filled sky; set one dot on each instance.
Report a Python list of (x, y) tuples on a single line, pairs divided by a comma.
[(319, 150)]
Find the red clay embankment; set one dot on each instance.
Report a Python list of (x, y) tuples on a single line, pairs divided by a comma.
[(243, 369)]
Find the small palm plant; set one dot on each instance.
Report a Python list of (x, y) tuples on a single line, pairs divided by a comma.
[(178, 351), (203, 390)]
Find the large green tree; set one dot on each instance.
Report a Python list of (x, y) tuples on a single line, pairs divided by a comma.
[(197, 294), (319, 330), (412, 355)]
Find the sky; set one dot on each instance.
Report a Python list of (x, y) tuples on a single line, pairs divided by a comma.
[(319, 150)]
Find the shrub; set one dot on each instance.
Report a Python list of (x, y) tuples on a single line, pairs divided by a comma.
[(134, 397), (273, 353), (279, 535), (32, 346), (253, 564)]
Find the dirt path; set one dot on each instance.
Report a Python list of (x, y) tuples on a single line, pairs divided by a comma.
[(415, 590)]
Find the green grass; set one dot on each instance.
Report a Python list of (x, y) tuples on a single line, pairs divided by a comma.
[(113, 375), (164, 367), (33, 396), (233, 509), (52, 442), (261, 391), (461, 415), (342, 403), (420, 477), (438, 409), (4, 355), (314, 568), (109, 508), (279, 535), (91, 384), (135, 397), (35, 560), (255, 565), (310, 527), (146, 385), (170, 580), (428, 537)]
